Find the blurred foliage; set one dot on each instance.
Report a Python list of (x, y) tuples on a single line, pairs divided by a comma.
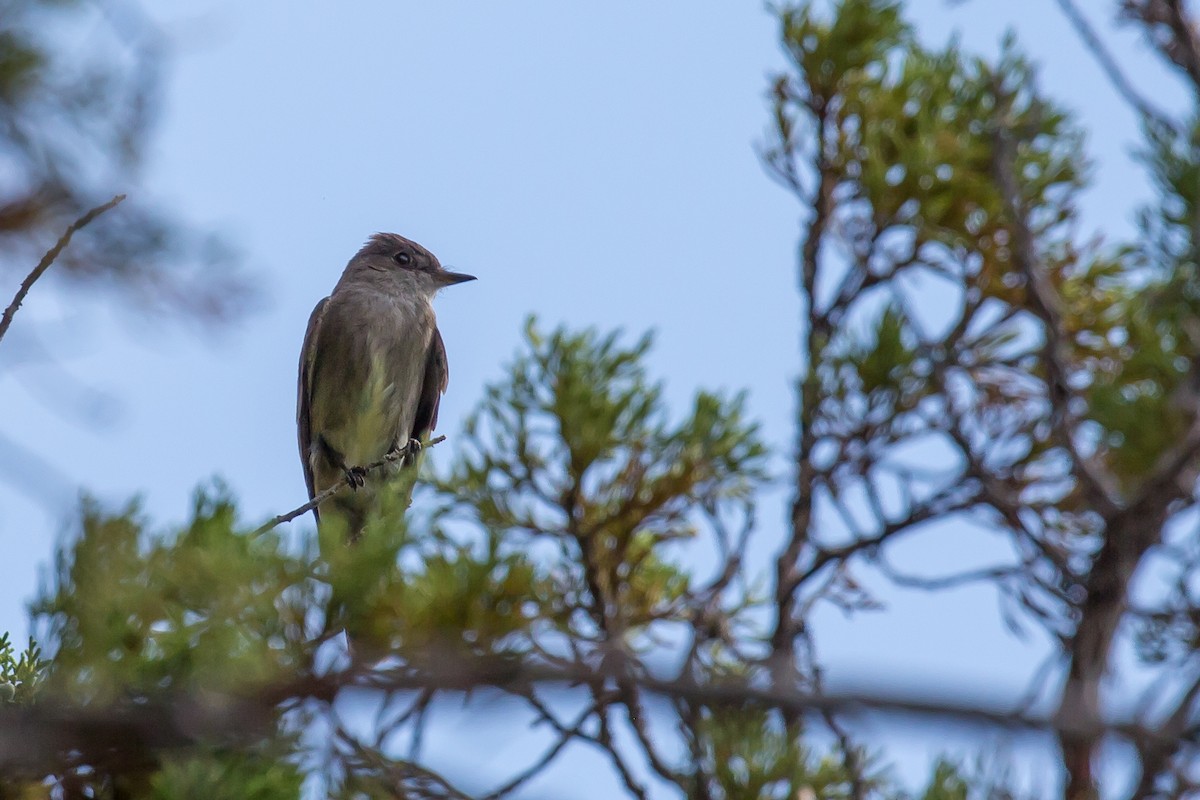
[(209, 608), (260, 773), (79, 93), (753, 756), (558, 536), (947, 783)]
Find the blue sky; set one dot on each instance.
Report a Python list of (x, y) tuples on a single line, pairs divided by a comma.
[(593, 164)]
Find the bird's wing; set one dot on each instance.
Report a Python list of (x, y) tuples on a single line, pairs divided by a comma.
[(437, 375), (303, 396)]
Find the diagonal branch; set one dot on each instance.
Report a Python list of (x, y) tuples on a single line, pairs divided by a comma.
[(947, 501), (565, 737), (405, 779), (48, 259), (390, 458)]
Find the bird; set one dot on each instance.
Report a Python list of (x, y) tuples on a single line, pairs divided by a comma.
[(372, 373)]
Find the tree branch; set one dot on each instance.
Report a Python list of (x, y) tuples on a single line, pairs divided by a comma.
[(48, 259), (1044, 302), (30, 736), (321, 497)]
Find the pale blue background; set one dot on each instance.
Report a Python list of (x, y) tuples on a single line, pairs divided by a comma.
[(592, 163)]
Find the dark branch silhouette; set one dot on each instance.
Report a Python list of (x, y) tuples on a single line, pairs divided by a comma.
[(49, 258)]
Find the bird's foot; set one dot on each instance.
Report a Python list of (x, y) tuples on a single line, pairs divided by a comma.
[(409, 450), (356, 477)]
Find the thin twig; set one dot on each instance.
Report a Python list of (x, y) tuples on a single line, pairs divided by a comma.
[(48, 259), (851, 756), (321, 497), (566, 736), (406, 778)]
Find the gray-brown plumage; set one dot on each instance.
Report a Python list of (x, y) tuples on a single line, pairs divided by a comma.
[(372, 370)]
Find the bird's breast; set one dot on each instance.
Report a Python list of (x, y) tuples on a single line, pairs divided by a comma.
[(369, 365)]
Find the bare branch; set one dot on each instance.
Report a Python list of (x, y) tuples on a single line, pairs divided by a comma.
[(29, 736), (390, 458), (605, 738), (957, 497), (405, 778), (48, 259), (565, 737), (994, 575)]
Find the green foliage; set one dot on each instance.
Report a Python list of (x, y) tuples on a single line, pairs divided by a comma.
[(1172, 157), (755, 758), (857, 37), (20, 63), (883, 366), (140, 623), (901, 140), (909, 137), (256, 774), (442, 598), (946, 783), (21, 676), (911, 132), (1140, 332), (209, 608), (1058, 375), (575, 450), (1134, 316), (552, 533)]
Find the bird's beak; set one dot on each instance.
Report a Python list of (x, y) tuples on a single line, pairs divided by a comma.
[(448, 278)]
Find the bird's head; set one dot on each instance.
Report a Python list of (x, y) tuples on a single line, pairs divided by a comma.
[(406, 262)]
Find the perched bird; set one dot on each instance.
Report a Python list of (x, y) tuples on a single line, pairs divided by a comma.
[(372, 371)]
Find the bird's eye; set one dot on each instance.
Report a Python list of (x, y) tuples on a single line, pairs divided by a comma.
[(403, 259)]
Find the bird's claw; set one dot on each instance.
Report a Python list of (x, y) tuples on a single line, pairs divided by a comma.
[(356, 477), (408, 451)]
